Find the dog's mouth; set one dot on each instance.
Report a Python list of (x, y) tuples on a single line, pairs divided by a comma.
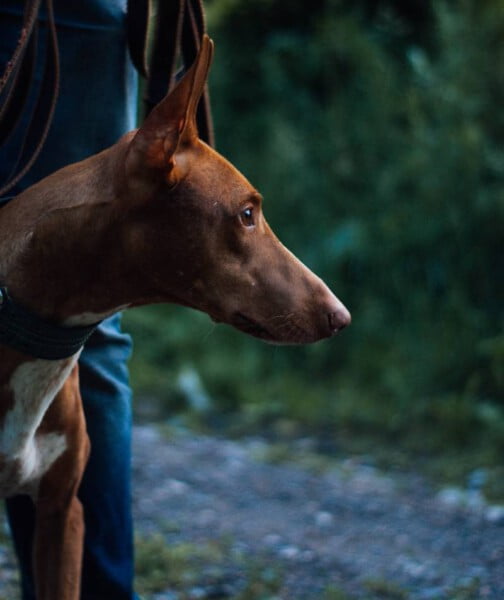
[(247, 325)]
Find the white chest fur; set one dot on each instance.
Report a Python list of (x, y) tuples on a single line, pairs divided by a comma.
[(25, 455)]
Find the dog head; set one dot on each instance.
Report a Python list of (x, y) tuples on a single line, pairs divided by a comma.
[(200, 235)]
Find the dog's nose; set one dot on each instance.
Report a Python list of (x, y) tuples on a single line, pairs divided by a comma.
[(339, 319)]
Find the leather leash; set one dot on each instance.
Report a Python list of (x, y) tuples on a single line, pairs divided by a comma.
[(177, 33), (15, 84), (179, 27)]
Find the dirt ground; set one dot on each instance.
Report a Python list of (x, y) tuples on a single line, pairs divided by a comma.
[(339, 530), (345, 527)]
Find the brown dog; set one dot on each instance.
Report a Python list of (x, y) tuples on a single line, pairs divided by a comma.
[(158, 217)]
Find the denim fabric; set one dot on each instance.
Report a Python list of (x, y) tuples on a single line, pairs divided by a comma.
[(106, 487), (97, 100), (97, 104)]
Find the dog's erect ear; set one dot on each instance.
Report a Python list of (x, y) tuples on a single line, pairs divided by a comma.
[(171, 124)]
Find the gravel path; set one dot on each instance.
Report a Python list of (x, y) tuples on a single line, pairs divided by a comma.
[(350, 527)]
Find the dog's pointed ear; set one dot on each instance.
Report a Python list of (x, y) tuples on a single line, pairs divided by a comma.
[(171, 124)]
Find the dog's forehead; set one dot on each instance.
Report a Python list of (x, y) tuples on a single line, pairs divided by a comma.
[(222, 182)]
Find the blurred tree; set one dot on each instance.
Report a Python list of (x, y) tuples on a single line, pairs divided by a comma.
[(375, 131)]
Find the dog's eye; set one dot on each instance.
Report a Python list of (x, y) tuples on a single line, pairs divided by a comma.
[(247, 217)]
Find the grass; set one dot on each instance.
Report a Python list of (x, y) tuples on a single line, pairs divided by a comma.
[(385, 590), (217, 570), (465, 591), (333, 593), (190, 569)]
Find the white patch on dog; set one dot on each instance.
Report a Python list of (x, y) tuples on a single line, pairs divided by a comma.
[(38, 456), (24, 455)]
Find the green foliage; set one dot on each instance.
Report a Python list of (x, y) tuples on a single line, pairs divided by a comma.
[(263, 582), (386, 590), (159, 566), (162, 566), (466, 591), (379, 150), (333, 593)]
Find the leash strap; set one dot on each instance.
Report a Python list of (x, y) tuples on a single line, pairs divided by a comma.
[(17, 93), (16, 82), (177, 33), (194, 28), (138, 25), (165, 45), (30, 18), (27, 333)]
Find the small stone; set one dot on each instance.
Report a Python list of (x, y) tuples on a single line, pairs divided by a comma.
[(495, 514), (177, 487), (414, 569), (307, 555), (452, 496), (289, 552), (324, 519)]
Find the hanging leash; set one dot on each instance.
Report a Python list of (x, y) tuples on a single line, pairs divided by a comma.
[(176, 37), (15, 86), (179, 27)]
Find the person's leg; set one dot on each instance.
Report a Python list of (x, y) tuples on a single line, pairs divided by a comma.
[(105, 491), (21, 517)]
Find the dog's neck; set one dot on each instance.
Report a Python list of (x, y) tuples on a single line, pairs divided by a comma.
[(65, 254)]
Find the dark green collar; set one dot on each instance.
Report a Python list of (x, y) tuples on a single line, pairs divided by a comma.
[(28, 333)]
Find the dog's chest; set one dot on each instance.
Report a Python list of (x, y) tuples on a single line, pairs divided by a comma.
[(25, 454)]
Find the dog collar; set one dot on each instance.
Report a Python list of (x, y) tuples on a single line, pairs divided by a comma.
[(26, 332)]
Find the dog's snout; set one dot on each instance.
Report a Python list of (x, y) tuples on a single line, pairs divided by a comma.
[(339, 319)]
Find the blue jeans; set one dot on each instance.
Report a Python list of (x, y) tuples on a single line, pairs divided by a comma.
[(97, 104)]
